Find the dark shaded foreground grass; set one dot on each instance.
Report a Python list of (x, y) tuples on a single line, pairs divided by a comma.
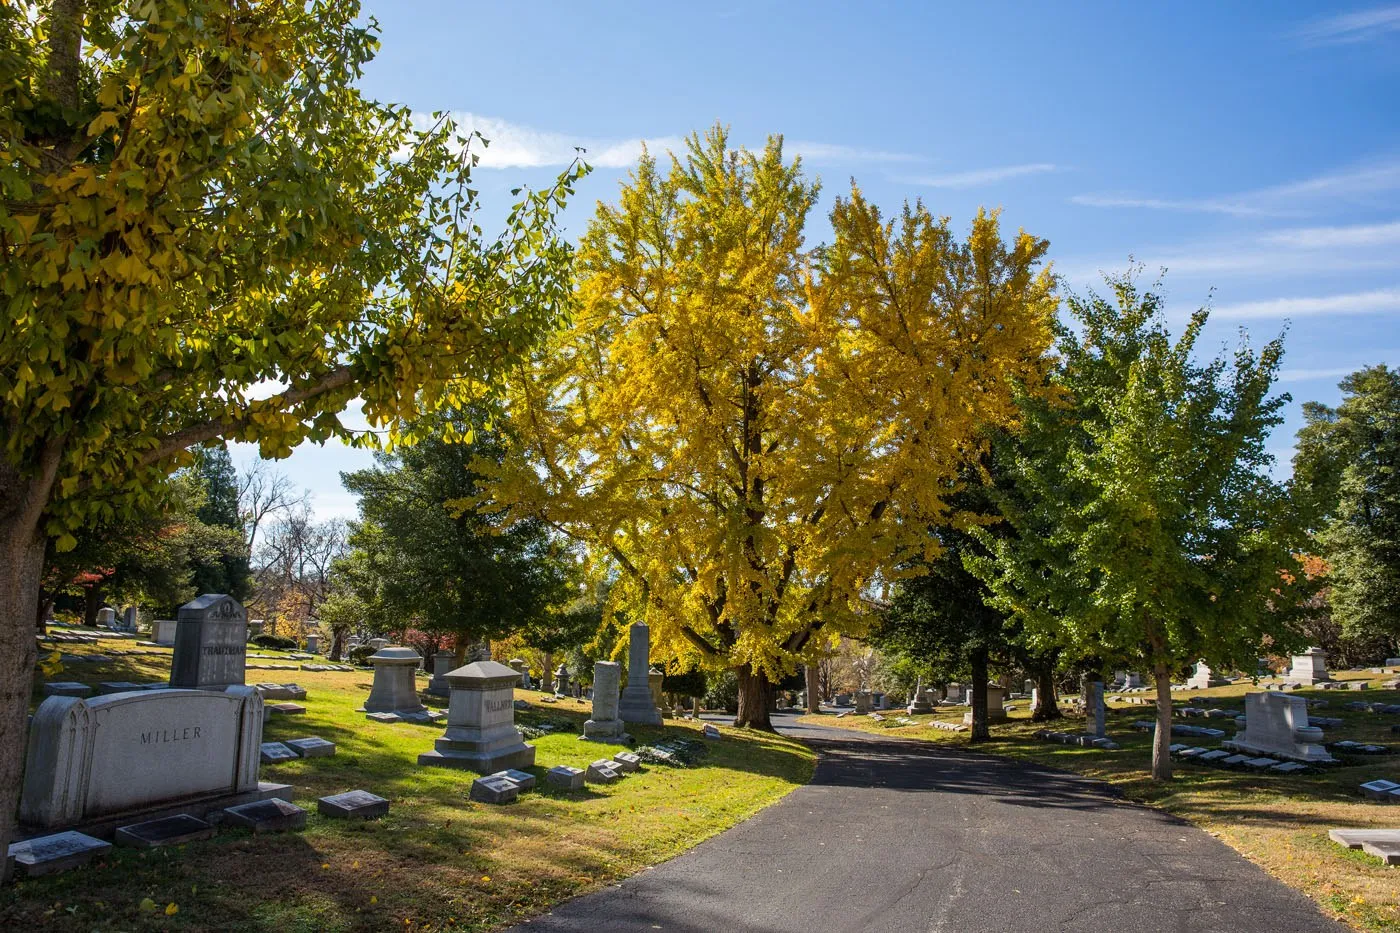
[(1278, 822), (439, 861)]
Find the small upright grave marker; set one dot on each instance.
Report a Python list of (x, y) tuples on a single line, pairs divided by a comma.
[(211, 636)]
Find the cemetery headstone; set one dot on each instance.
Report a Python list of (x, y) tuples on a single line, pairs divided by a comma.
[(163, 632), (602, 771), (1094, 711), (58, 852), (394, 689), (353, 805), (636, 704), (129, 619), (311, 747), (442, 664), (90, 760), (1310, 667), (1203, 677), (561, 681), (167, 831), (313, 643), (1276, 725), (211, 637), (267, 816), (920, 702), (606, 725), (379, 644), (863, 702), (481, 734), (655, 680), (565, 777), (107, 618)]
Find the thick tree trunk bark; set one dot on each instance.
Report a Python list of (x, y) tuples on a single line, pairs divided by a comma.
[(1047, 708), (814, 688), (755, 700), (1162, 739), (92, 601), (979, 697), (21, 565)]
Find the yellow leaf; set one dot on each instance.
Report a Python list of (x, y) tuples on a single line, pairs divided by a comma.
[(171, 909)]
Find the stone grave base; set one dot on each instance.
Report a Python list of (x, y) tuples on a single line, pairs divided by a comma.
[(105, 827), (519, 757)]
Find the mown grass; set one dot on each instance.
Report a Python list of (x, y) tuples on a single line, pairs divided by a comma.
[(439, 861), (1278, 822)]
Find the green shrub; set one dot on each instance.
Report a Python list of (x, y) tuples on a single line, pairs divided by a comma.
[(275, 641), (360, 655)]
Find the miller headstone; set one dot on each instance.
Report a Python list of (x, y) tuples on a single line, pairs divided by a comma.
[(211, 637)]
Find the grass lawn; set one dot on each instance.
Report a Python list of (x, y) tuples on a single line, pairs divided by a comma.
[(1278, 822), (438, 861)]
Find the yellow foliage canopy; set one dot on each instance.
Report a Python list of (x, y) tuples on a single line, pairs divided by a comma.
[(755, 434)]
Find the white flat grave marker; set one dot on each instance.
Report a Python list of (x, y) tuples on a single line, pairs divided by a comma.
[(59, 852), (353, 805)]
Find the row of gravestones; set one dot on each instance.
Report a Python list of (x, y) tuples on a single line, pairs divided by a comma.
[(133, 759)]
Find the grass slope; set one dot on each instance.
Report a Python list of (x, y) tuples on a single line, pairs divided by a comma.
[(439, 861), (1278, 822)]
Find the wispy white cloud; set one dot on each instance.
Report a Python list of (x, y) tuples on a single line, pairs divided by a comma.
[(1205, 206), (1291, 198), (835, 152), (1350, 28), (1313, 375), (982, 176), (512, 145), (1376, 301), (1358, 235)]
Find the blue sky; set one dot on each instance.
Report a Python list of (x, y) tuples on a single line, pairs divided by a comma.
[(1251, 149)]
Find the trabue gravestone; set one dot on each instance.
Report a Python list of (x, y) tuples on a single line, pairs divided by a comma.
[(211, 644)]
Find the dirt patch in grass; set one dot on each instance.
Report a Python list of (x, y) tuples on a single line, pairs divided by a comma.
[(1278, 822), (439, 861)]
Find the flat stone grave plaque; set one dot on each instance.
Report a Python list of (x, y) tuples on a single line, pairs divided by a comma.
[(522, 779), (312, 747), (627, 762), (1233, 760), (602, 772), (170, 831), (66, 688), (1259, 764), (383, 717), (353, 805), (711, 731), (59, 852), (1379, 789), (272, 752), (286, 709), (1289, 767), (117, 686), (1215, 755), (267, 816), (494, 790), (1387, 852), (565, 777)]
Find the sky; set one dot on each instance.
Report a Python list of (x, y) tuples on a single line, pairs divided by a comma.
[(1252, 151)]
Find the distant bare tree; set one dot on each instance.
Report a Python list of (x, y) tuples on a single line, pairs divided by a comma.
[(293, 563), (263, 493)]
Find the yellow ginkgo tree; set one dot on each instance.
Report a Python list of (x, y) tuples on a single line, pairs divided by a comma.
[(751, 434), (208, 232)]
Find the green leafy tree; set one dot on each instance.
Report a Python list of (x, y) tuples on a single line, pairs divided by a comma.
[(1347, 477), (197, 201), (1148, 529), (228, 571), (438, 562)]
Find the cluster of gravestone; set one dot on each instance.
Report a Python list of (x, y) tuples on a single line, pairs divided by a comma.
[(1083, 739)]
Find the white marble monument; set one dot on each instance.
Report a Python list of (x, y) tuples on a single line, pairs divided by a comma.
[(1203, 677), (394, 689), (481, 734), (1310, 667), (1276, 725), (605, 725)]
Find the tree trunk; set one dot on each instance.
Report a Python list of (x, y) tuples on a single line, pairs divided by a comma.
[(1047, 708), (1162, 739), (21, 565), (41, 620), (547, 672), (755, 700), (814, 688), (92, 601), (979, 697)]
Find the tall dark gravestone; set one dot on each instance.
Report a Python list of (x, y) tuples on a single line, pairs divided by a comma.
[(211, 643)]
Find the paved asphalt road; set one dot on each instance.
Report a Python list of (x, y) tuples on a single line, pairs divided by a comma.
[(904, 836)]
